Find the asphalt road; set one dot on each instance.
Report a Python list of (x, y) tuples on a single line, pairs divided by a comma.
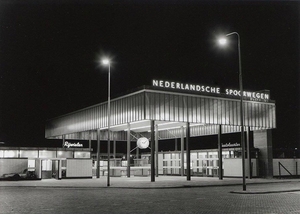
[(218, 199)]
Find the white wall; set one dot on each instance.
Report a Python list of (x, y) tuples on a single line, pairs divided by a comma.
[(233, 167), (79, 168), (12, 165)]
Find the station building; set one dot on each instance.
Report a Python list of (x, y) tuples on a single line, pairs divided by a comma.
[(175, 110)]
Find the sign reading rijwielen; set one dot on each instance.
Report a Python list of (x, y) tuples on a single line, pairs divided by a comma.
[(254, 96), (72, 145)]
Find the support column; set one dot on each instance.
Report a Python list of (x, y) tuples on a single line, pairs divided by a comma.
[(90, 141), (248, 153), (182, 151), (188, 152), (152, 152), (63, 140), (156, 150), (137, 153), (263, 141), (115, 147), (128, 150), (98, 154), (220, 153)]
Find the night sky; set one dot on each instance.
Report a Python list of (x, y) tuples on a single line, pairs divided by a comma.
[(49, 55)]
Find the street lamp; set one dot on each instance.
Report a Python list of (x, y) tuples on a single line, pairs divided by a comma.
[(223, 41), (106, 62)]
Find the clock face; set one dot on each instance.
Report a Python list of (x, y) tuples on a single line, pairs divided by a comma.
[(142, 143)]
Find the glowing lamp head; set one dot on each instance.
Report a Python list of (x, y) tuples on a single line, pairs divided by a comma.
[(105, 61), (222, 41)]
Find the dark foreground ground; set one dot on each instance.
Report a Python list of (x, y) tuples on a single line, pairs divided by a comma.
[(223, 197)]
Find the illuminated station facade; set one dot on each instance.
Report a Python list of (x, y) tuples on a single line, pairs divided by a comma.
[(174, 110)]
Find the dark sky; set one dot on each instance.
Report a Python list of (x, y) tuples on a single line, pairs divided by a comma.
[(49, 53)]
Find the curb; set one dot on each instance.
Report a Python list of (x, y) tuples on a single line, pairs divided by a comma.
[(265, 192)]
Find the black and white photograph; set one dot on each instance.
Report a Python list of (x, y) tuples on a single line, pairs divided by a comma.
[(149, 106)]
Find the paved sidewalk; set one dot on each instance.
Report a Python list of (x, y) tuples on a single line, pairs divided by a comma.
[(254, 186)]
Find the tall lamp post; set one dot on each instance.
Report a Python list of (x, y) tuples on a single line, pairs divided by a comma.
[(106, 62), (223, 41)]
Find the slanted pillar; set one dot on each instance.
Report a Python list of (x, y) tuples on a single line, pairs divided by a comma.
[(220, 153), (128, 150), (152, 152), (188, 152)]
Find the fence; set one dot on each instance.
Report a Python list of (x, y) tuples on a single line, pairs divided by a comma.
[(286, 167)]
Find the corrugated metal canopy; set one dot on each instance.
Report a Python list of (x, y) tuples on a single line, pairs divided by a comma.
[(169, 109)]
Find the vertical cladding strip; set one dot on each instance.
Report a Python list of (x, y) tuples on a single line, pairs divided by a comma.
[(216, 111), (146, 106), (237, 114), (198, 110), (231, 110)]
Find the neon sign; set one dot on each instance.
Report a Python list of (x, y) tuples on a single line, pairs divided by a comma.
[(68, 144), (254, 96)]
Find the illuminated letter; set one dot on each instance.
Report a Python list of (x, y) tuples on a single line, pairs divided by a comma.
[(192, 87), (248, 94), (155, 82), (167, 84), (213, 90), (186, 87), (172, 84), (207, 89), (227, 91), (266, 96), (198, 88), (178, 85), (218, 91), (161, 83)]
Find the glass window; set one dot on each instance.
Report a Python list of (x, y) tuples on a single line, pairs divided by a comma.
[(47, 154), (46, 165), (1, 154), (10, 154), (28, 153), (81, 154), (64, 163), (64, 154), (31, 163)]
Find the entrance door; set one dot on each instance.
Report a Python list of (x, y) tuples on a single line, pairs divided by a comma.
[(46, 169), (55, 169)]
